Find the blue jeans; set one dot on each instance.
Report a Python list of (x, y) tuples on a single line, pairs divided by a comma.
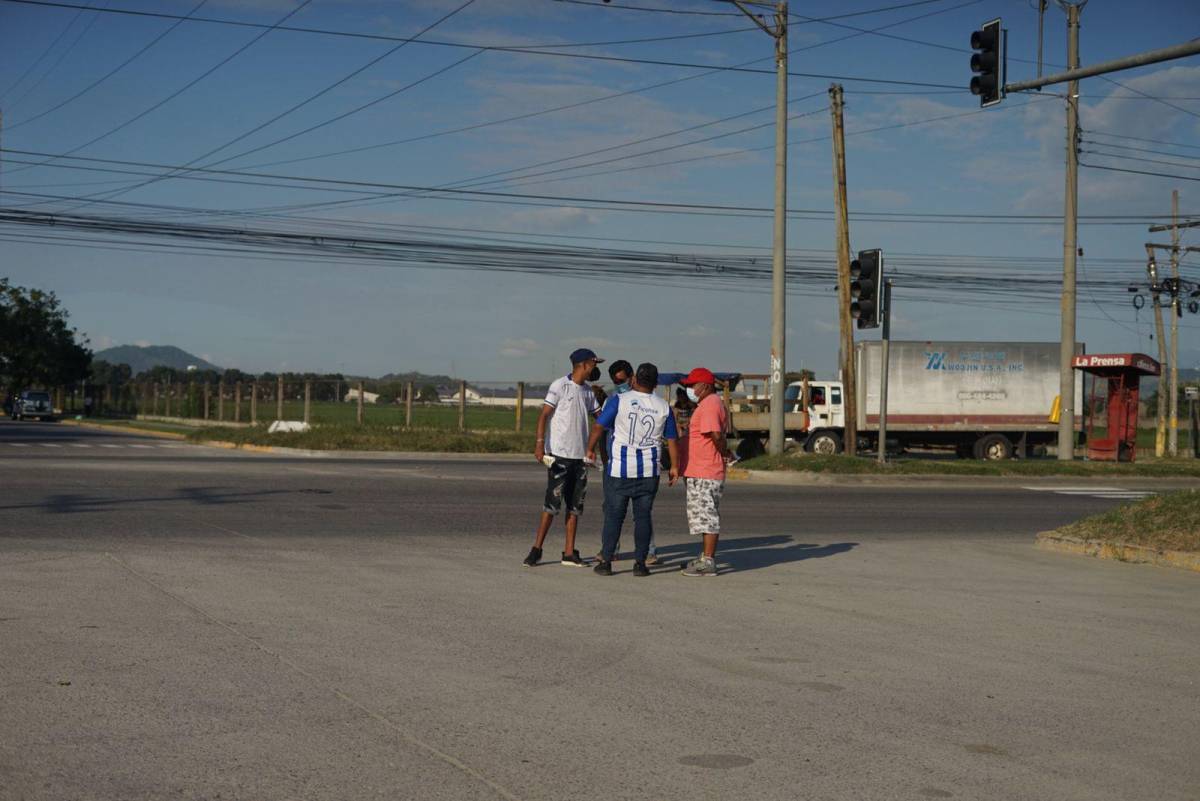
[(618, 492)]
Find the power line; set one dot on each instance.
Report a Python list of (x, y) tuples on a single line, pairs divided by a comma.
[(1093, 132), (111, 72), (49, 49), (1127, 157), (1140, 172)]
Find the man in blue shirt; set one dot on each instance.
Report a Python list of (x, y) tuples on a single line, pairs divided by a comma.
[(639, 422)]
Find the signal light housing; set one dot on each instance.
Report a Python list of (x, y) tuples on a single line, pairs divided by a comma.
[(988, 61), (866, 288)]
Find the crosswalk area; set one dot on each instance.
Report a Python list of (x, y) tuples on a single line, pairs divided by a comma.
[(1111, 493)]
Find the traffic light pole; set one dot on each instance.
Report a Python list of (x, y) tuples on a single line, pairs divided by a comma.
[(1173, 433), (1160, 427), (1066, 375), (883, 370), (842, 244), (778, 384)]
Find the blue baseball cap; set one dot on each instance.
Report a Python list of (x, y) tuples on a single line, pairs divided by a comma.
[(583, 354)]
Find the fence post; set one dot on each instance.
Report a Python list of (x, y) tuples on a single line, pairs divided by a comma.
[(167, 400), (147, 391), (106, 404), (408, 402), (360, 403), (155, 398), (237, 402), (221, 401), (462, 405), (520, 403), (207, 396), (279, 399), (307, 401), (253, 402)]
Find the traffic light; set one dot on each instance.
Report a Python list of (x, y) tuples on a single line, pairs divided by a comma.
[(988, 61), (866, 288)]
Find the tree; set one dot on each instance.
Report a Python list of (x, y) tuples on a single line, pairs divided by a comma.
[(428, 394), (37, 346)]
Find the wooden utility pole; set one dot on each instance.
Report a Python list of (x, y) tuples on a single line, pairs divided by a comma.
[(207, 397), (279, 398), (462, 405), (1173, 434), (360, 403), (408, 402), (1066, 351), (520, 403), (845, 324), (221, 401), (307, 401), (237, 402), (253, 402), (1160, 423)]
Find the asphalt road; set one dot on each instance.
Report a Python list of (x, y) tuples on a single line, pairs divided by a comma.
[(197, 623)]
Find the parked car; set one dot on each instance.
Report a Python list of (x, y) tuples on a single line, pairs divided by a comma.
[(33, 403)]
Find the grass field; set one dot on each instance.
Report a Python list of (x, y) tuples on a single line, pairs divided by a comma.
[(375, 437), (1169, 522)]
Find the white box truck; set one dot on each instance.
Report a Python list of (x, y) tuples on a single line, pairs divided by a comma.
[(984, 400)]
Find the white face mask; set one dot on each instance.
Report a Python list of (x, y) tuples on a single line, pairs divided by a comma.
[(691, 393)]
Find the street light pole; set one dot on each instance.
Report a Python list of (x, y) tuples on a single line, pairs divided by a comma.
[(778, 382)]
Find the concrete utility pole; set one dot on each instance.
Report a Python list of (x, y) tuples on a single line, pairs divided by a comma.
[(1066, 378), (1160, 427), (778, 382), (1173, 436), (845, 324)]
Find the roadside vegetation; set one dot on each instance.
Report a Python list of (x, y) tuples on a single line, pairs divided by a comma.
[(1169, 522), (372, 437), (862, 465)]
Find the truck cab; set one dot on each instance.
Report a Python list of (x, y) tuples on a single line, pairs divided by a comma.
[(826, 414)]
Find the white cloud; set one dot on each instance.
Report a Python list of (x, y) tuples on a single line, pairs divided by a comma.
[(554, 219), (516, 348), (142, 343)]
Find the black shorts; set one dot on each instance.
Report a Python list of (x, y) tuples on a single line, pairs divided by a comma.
[(566, 478)]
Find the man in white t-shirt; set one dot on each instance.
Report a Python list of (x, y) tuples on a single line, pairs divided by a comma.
[(562, 434)]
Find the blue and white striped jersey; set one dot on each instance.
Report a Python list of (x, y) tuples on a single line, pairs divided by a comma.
[(639, 422)]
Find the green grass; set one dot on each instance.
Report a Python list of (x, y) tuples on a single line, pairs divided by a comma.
[(374, 438), (478, 418), (1168, 522), (847, 465), (168, 428)]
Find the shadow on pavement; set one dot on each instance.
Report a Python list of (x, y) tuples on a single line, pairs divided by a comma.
[(751, 553), (68, 503)]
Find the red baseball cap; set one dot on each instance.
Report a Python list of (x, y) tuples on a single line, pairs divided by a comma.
[(700, 375)]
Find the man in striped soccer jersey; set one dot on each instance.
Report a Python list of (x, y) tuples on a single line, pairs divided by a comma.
[(639, 422)]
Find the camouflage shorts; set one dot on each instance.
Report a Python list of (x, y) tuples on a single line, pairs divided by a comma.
[(703, 505)]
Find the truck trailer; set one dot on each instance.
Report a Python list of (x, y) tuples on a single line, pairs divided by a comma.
[(984, 400)]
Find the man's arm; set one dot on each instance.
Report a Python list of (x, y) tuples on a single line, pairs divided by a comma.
[(718, 441), (539, 447), (593, 440), (673, 451), (604, 421)]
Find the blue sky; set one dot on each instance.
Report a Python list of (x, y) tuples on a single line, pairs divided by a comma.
[(259, 314)]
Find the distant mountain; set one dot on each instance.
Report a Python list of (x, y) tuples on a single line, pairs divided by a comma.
[(142, 359)]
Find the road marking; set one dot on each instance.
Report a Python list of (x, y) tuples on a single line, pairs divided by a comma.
[(80, 445), (1114, 493), (141, 446), (49, 445), (19, 444), (107, 445)]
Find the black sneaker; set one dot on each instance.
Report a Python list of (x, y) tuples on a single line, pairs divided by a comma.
[(603, 568), (572, 559), (535, 556), (640, 569)]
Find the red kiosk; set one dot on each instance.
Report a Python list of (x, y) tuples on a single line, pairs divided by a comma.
[(1123, 372)]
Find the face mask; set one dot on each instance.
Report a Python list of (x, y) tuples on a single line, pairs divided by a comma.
[(691, 393), (594, 375), (623, 388)]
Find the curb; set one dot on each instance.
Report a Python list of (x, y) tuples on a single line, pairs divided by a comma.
[(408, 456), (123, 429), (1119, 551)]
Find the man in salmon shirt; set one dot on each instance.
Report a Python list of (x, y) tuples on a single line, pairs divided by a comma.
[(704, 467)]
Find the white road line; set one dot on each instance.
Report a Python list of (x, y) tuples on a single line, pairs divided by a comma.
[(49, 445), (80, 445), (1114, 493), (19, 444), (141, 446), (172, 446), (107, 445)]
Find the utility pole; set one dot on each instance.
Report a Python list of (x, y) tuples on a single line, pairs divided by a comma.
[(1173, 436), (1066, 376), (778, 382), (1160, 427), (845, 324), (883, 370)]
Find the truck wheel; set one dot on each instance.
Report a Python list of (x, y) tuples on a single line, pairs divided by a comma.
[(825, 443), (993, 448)]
